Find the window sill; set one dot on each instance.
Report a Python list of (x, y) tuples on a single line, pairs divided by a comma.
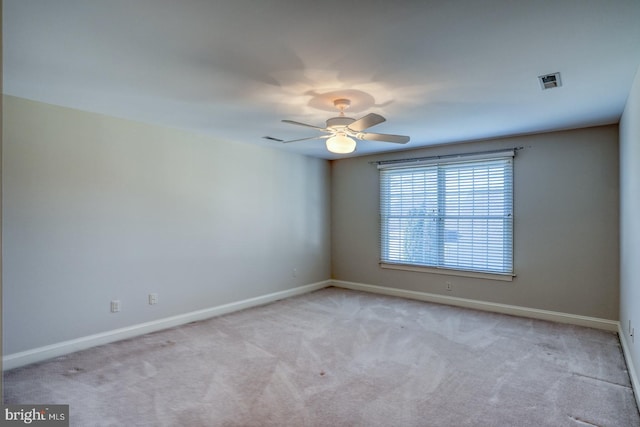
[(448, 272)]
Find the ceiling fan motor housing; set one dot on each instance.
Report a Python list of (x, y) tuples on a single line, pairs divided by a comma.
[(339, 122)]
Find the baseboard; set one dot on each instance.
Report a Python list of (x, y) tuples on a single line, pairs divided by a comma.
[(554, 316), (39, 354), (633, 374)]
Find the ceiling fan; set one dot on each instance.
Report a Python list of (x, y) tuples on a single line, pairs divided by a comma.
[(342, 131)]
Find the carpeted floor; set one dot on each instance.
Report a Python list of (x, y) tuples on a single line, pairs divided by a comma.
[(343, 358)]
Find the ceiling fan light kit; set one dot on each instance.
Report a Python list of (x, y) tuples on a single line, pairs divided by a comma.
[(341, 144), (343, 131)]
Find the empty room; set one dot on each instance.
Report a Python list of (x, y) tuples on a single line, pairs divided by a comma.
[(338, 213)]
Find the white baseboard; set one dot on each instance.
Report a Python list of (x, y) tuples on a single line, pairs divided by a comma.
[(554, 316), (633, 374), (39, 354)]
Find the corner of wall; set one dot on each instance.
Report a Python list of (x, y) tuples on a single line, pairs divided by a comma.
[(629, 131)]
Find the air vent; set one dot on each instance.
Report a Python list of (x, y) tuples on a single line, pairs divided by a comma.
[(270, 138), (549, 81)]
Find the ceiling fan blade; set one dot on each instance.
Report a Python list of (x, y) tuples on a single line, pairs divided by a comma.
[(398, 139), (366, 122), (291, 122), (306, 139)]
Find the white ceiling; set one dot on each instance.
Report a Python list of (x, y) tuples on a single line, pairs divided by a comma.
[(439, 71)]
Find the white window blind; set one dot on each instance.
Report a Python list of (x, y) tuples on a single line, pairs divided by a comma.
[(455, 214)]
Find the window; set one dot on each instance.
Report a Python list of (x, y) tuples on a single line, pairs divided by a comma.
[(451, 214)]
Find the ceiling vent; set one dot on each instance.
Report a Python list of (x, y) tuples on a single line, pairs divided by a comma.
[(549, 81), (270, 138)]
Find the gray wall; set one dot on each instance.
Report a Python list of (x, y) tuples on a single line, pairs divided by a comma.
[(97, 208), (630, 222), (566, 250)]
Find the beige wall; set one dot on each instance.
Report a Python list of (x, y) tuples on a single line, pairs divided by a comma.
[(566, 225), (630, 226), (98, 208)]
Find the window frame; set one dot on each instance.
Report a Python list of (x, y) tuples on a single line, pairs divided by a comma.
[(439, 164)]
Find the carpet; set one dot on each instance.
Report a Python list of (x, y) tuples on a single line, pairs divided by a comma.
[(337, 357)]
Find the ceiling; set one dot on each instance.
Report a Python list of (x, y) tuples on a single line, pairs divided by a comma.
[(439, 71)]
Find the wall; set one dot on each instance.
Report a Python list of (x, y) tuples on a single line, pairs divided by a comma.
[(1, 210), (630, 231), (565, 218), (98, 208)]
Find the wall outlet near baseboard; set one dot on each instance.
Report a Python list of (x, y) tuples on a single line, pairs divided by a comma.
[(153, 299), (448, 286), (115, 305)]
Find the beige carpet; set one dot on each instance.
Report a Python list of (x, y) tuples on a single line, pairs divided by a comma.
[(343, 358)]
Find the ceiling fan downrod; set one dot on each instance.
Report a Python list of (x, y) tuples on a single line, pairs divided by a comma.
[(341, 104)]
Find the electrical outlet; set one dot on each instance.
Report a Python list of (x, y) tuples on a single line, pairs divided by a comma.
[(294, 272), (115, 305), (153, 299), (448, 286)]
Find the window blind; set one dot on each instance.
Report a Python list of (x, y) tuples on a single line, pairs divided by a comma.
[(455, 214)]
